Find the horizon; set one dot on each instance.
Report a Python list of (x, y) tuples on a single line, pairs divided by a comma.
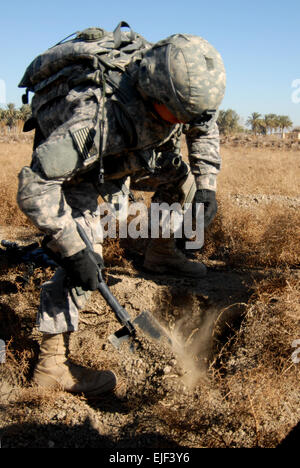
[(258, 43)]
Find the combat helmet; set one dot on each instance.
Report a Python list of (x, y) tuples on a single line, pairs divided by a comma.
[(186, 74)]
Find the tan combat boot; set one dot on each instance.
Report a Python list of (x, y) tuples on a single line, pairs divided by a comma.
[(54, 370), (162, 256)]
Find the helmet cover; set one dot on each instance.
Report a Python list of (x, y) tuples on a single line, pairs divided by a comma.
[(185, 73)]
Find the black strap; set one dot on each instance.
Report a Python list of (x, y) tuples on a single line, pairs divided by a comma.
[(101, 165), (118, 36), (66, 38)]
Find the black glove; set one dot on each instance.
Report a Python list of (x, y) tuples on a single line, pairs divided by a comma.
[(83, 269), (208, 197)]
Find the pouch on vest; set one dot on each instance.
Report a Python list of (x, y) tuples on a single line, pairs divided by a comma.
[(64, 156)]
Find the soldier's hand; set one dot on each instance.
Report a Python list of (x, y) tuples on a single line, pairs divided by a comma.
[(83, 269), (208, 198)]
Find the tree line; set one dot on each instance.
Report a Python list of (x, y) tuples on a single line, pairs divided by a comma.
[(229, 122), (11, 115)]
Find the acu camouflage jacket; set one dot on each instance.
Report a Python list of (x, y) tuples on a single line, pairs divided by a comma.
[(86, 122)]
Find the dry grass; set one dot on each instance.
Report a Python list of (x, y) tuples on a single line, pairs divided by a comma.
[(13, 156), (253, 397), (261, 379), (260, 234), (259, 171), (257, 234)]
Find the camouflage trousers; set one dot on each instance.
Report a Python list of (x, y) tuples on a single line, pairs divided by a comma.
[(171, 182)]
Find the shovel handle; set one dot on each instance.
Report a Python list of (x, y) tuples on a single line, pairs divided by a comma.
[(121, 314)]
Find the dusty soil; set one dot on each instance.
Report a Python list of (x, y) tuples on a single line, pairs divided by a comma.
[(261, 141), (249, 201), (178, 396)]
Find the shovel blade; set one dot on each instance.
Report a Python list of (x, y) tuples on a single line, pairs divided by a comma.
[(117, 338), (149, 325), (146, 322)]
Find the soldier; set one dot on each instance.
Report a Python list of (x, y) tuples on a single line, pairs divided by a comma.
[(127, 124)]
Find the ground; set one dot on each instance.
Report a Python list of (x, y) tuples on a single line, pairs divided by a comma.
[(227, 380)]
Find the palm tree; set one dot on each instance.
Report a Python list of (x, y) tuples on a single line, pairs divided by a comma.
[(284, 122), (228, 122), (271, 121), (254, 122), (261, 126)]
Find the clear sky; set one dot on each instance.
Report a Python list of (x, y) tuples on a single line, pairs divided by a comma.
[(259, 41)]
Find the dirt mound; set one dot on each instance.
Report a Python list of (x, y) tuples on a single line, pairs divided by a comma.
[(260, 141)]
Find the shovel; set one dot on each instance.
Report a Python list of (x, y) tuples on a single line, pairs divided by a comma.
[(145, 320)]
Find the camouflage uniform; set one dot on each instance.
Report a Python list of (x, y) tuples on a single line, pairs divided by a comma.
[(61, 185)]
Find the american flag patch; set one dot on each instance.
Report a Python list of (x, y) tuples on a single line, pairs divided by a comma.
[(84, 142)]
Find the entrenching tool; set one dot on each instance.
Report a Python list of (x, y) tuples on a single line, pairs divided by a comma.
[(145, 320)]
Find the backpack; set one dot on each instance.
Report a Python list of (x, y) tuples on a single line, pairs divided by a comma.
[(95, 49), (95, 57)]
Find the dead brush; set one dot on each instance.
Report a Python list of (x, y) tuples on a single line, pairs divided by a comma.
[(113, 252), (13, 156), (254, 370), (269, 328), (257, 237), (13, 374)]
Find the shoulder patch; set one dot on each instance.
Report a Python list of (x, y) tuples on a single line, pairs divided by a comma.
[(84, 142)]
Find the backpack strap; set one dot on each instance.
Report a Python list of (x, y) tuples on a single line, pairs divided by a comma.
[(118, 34)]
